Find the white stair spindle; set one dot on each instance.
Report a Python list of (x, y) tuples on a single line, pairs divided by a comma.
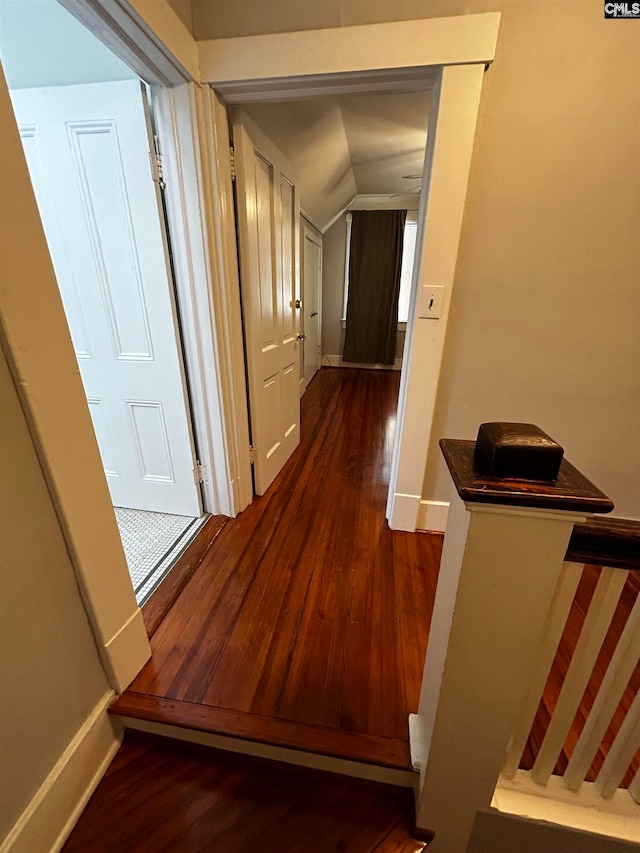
[(622, 751), (594, 630), (623, 663), (634, 787), (551, 634)]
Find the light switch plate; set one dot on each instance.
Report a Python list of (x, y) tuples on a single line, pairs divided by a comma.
[(431, 300)]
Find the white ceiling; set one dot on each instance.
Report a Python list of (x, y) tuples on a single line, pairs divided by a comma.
[(348, 145)]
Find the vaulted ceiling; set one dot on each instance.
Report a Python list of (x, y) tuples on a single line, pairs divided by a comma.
[(349, 145)]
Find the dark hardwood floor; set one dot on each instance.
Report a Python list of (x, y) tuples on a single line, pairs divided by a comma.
[(160, 602), (159, 795), (306, 623)]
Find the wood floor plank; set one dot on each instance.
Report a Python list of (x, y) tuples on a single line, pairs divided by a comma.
[(298, 610), (308, 611), (163, 796), (369, 749), (159, 603)]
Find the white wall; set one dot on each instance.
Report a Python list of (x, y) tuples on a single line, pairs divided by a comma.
[(51, 674), (41, 44)]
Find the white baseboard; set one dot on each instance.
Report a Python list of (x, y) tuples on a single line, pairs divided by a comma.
[(432, 516), (417, 742), (341, 766), (584, 810), (337, 361), (404, 512), (127, 651), (46, 823)]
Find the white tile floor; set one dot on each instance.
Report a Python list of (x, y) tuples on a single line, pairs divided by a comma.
[(152, 543)]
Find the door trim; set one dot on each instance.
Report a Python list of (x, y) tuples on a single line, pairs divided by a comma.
[(35, 338), (366, 58), (192, 126), (162, 51), (446, 54), (307, 226)]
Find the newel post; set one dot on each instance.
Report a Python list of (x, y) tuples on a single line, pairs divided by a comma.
[(507, 535)]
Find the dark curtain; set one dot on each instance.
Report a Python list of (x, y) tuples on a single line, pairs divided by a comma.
[(374, 285)]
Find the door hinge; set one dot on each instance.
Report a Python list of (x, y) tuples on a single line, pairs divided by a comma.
[(156, 164), (252, 455), (232, 155), (197, 473)]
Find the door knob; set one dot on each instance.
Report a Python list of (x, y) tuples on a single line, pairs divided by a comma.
[(301, 337), (313, 314), (298, 303)]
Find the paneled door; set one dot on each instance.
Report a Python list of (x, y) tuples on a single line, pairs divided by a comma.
[(88, 152), (311, 301), (268, 226)]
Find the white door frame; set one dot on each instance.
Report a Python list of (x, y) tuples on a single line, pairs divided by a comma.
[(192, 124), (193, 131), (151, 39), (37, 344), (449, 54)]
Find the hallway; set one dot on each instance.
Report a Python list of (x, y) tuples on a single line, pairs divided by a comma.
[(306, 624)]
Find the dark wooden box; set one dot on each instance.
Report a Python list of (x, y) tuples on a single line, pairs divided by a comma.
[(517, 452)]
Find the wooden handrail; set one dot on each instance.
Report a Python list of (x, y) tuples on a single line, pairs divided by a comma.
[(608, 541), (571, 492)]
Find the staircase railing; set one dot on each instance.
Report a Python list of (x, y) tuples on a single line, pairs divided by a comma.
[(593, 769), (514, 556)]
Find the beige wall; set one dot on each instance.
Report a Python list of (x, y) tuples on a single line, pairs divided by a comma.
[(221, 19), (544, 317), (51, 675)]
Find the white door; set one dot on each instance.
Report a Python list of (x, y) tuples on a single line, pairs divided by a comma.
[(268, 220), (87, 149), (311, 301)]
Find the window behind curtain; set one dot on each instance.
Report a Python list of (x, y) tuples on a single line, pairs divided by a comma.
[(408, 255)]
